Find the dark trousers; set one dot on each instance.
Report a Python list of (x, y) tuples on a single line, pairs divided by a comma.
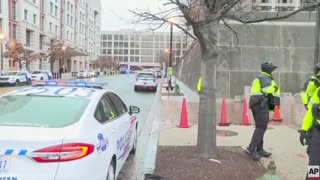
[(314, 148), (261, 119)]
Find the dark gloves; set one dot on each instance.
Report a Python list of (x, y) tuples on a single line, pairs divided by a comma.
[(306, 106), (304, 138)]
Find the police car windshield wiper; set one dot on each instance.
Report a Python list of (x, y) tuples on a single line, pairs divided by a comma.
[(41, 95)]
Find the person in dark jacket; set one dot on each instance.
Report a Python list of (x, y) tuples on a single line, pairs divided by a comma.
[(265, 95)]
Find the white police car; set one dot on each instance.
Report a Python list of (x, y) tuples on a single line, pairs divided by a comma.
[(146, 80), (55, 132), (15, 78), (41, 75)]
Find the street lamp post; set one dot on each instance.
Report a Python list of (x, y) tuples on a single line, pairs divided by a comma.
[(166, 63), (171, 21), (1, 40), (63, 49)]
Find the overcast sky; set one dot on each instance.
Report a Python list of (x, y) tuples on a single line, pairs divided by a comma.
[(115, 14)]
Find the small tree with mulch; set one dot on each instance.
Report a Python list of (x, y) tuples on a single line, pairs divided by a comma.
[(55, 52), (22, 55), (104, 62)]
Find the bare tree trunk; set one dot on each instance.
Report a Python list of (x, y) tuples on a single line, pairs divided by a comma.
[(20, 65), (51, 65), (206, 142)]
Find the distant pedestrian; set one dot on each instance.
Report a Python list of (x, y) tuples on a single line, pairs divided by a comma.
[(265, 95)]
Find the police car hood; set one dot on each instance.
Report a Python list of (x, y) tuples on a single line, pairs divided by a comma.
[(34, 133), (13, 76)]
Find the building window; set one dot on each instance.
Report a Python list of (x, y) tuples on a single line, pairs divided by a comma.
[(56, 11), (1, 25), (71, 20), (40, 41), (25, 14), (50, 26), (51, 8), (68, 17), (67, 35), (42, 5), (34, 1), (14, 31), (56, 30), (14, 9), (68, 6), (28, 37), (42, 23), (71, 8), (34, 19)]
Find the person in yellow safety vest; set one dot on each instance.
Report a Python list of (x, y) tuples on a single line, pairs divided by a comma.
[(310, 86), (312, 121), (265, 95)]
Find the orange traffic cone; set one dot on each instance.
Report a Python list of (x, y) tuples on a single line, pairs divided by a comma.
[(184, 115), (245, 119), (277, 114), (224, 118)]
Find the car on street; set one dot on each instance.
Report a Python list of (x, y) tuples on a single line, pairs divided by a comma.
[(15, 78), (49, 73), (79, 131), (39, 75), (146, 80), (84, 74)]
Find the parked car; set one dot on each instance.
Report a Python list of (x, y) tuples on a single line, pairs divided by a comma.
[(39, 75), (76, 126), (49, 73), (84, 74), (91, 73), (15, 78), (146, 80)]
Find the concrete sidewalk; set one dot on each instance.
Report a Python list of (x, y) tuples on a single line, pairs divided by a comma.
[(283, 141)]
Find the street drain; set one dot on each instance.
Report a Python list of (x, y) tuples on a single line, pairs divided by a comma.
[(226, 133)]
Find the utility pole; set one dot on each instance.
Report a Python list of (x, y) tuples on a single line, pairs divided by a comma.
[(317, 32), (170, 55)]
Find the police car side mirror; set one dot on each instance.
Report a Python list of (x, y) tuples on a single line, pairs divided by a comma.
[(133, 110)]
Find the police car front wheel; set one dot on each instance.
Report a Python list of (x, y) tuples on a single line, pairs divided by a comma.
[(111, 172), (17, 83), (135, 142)]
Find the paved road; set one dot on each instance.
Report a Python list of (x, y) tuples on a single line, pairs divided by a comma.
[(124, 86)]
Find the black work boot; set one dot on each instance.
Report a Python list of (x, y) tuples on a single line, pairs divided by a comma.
[(264, 153), (253, 155)]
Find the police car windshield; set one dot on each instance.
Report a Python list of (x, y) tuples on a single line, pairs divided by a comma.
[(145, 75), (10, 73), (36, 72), (41, 111)]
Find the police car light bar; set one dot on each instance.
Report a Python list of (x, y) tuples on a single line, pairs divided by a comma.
[(71, 83), (86, 83), (51, 83)]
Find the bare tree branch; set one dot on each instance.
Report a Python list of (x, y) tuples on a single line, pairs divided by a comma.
[(272, 18), (233, 31), (149, 16)]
